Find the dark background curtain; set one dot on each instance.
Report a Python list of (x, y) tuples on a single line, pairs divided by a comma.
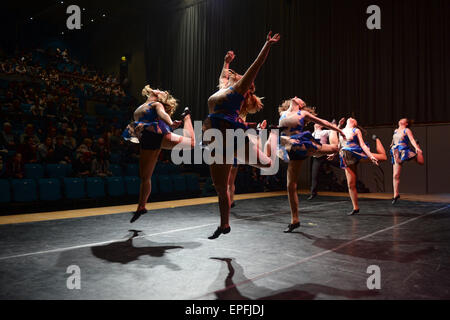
[(327, 56)]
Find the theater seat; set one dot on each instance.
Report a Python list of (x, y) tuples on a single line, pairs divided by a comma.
[(95, 188), (165, 184), (5, 191), (49, 189), (74, 188), (57, 170), (34, 171), (132, 170), (24, 190), (132, 185), (155, 186), (115, 186), (179, 183), (192, 182), (116, 170)]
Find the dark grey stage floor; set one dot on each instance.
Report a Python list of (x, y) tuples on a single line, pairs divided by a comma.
[(170, 258)]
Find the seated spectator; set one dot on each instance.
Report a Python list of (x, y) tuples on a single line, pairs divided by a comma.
[(29, 132), (29, 150), (6, 68), (62, 153), (46, 151), (85, 147), (101, 149), (21, 69), (116, 141), (16, 167), (83, 165), (69, 140), (83, 134), (9, 137), (100, 168)]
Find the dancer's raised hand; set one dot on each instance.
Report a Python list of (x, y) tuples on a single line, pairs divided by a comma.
[(176, 124), (274, 39), (229, 57), (263, 125)]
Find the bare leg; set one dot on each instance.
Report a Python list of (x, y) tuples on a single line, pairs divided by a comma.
[(148, 160), (231, 183), (420, 159), (381, 152), (220, 174), (185, 142), (350, 173), (293, 175), (397, 173)]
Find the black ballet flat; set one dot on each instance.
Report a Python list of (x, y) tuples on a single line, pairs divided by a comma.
[(137, 215), (354, 212), (395, 200), (233, 205), (219, 232), (186, 113), (312, 197), (292, 227)]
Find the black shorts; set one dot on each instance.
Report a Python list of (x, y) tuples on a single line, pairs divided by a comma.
[(151, 140)]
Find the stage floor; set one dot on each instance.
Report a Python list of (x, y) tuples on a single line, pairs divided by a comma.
[(166, 254)]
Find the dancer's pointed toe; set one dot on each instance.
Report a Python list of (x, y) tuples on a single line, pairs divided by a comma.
[(219, 232), (186, 112), (292, 227), (137, 215), (354, 212), (395, 200)]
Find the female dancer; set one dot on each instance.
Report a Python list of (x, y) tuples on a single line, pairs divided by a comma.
[(297, 145), (236, 93), (354, 150), (243, 113), (153, 130), (401, 152)]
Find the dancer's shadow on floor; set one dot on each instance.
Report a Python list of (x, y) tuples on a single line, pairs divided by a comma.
[(125, 252), (235, 278), (371, 250)]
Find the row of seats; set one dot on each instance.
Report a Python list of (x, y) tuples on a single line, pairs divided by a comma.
[(38, 171), (28, 190)]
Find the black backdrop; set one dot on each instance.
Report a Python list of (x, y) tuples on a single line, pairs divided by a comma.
[(327, 56)]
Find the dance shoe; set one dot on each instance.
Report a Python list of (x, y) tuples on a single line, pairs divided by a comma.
[(312, 197), (395, 200), (137, 215), (354, 212), (185, 113), (292, 227), (219, 232)]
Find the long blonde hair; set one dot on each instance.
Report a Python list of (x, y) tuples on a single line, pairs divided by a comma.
[(287, 104), (167, 100), (252, 103)]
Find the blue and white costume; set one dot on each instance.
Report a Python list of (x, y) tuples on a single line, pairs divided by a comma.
[(402, 147)]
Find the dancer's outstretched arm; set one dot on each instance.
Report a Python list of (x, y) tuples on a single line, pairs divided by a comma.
[(323, 123), (365, 148), (413, 140), (162, 114), (225, 75), (249, 77)]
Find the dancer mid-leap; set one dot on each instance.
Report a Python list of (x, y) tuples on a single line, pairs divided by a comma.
[(152, 128), (236, 93), (401, 152)]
